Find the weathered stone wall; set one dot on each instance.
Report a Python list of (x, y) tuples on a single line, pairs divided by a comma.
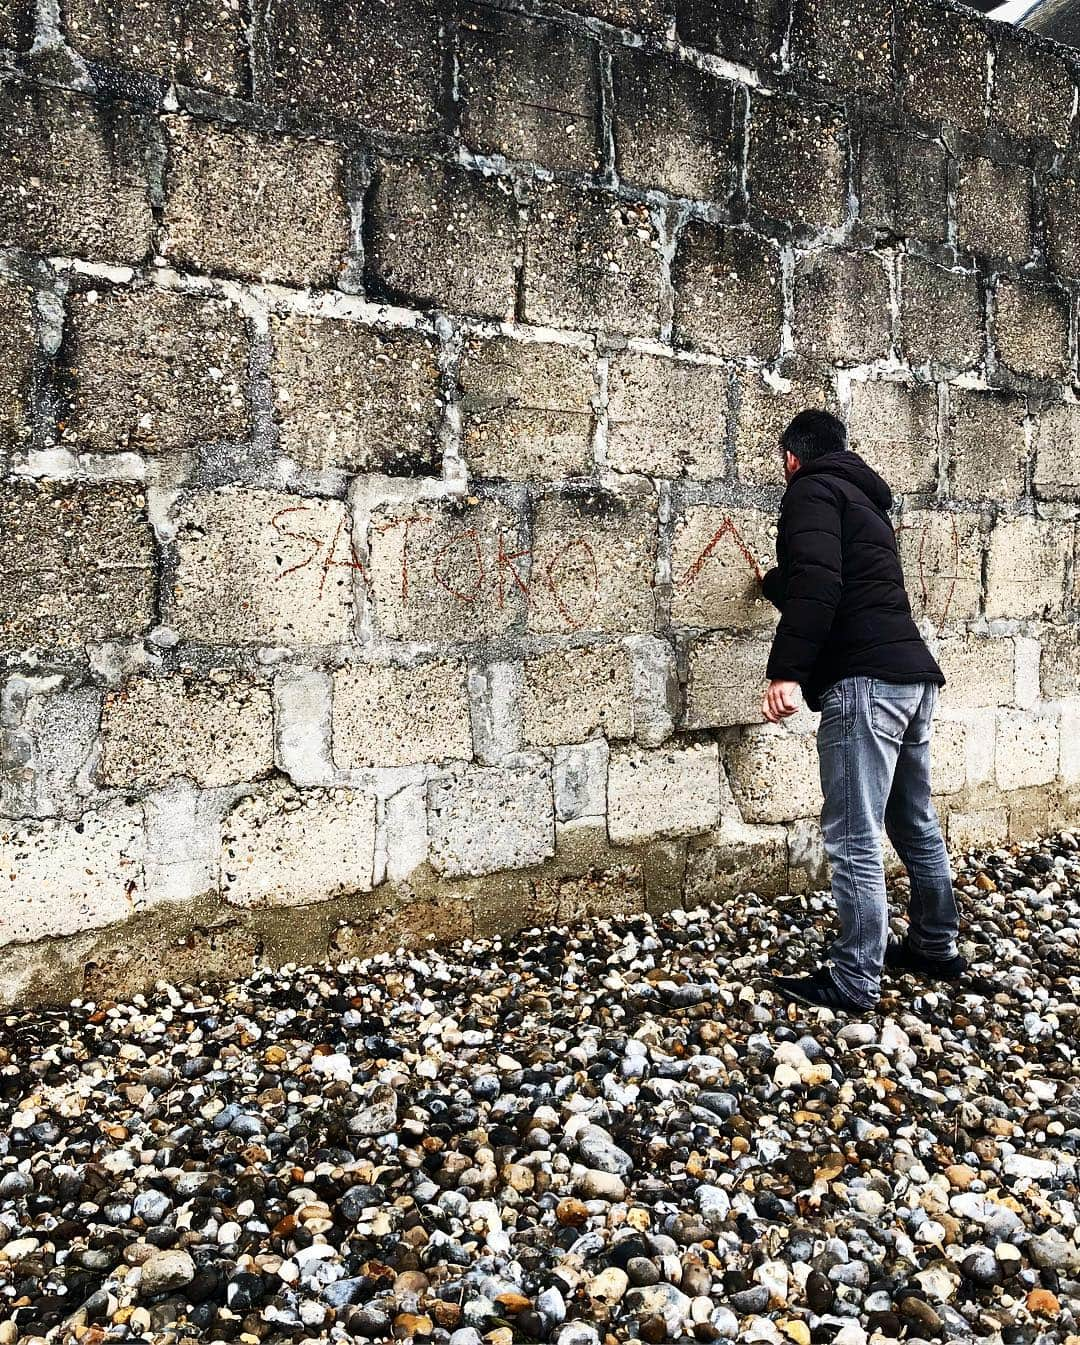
[(388, 409)]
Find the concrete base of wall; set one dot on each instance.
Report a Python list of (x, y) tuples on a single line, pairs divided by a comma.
[(208, 940)]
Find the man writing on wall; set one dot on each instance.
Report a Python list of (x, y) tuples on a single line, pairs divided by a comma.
[(846, 637)]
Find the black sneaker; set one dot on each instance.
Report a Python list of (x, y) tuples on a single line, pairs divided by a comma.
[(900, 956), (819, 991)]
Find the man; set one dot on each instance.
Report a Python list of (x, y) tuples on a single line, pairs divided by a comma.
[(847, 638)]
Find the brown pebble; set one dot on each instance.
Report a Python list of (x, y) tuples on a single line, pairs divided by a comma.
[(1042, 1303), (653, 1329), (408, 1324), (571, 1213), (448, 1315), (513, 1302)]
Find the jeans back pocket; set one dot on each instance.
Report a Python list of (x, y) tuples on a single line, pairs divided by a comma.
[(893, 705)]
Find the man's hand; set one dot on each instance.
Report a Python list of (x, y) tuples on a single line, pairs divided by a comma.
[(779, 701)]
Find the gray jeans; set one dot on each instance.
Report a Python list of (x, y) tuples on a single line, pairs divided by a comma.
[(874, 754)]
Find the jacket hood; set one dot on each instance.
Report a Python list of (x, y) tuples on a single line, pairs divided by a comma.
[(851, 467)]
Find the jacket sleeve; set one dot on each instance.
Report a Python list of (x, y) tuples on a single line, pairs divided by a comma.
[(814, 577), (772, 585)]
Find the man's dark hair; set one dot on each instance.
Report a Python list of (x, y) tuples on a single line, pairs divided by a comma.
[(812, 434)]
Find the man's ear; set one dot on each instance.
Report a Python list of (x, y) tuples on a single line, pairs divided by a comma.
[(792, 462)]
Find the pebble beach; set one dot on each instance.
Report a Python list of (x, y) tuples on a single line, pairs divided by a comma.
[(610, 1132)]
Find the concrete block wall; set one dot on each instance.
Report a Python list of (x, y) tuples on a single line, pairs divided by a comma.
[(388, 415)]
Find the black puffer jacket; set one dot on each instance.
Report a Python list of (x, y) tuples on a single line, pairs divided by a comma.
[(839, 585)]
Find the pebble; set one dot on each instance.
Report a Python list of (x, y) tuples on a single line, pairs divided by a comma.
[(597, 1185), (166, 1270), (1052, 1251), (604, 1133)]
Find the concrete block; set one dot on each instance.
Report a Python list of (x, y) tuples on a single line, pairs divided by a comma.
[(843, 43), (405, 824), (526, 409), (495, 691), (666, 791), (674, 127), (977, 744), (290, 847), (748, 31), (982, 828), (579, 776), (765, 408), (1034, 91), (733, 859), (1062, 195), (443, 238), (528, 90), (356, 398), (372, 63), (74, 182), (725, 680), (199, 43), (717, 558), (1057, 452), (942, 554), (993, 209), (594, 560), (894, 426), (262, 567), (1028, 654), (948, 756), (979, 671), (941, 317), (842, 307), (985, 444), (48, 734), (1031, 809), (1069, 763), (76, 565), (903, 184), (1031, 329), (1025, 573), (797, 161), (183, 844), (774, 774), (1028, 748), (486, 819), (63, 878), (303, 699), (248, 205), (444, 570), (943, 62), (18, 358), (591, 262), (728, 293), (217, 731), (655, 689), (667, 417), (573, 694), (153, 371), (387, 716)]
